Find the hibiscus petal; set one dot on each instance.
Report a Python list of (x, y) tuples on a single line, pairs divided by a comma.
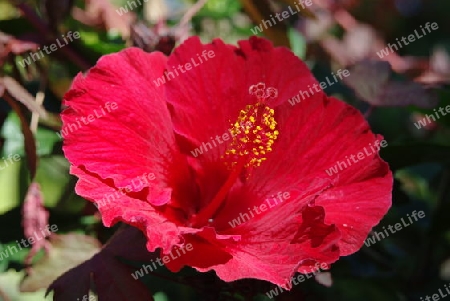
[(309, 149), (269, 250), (357, 207), (206, 96), (269, 246), (205, 241), (160, 232), (118, 125), (217, 89), (214, 92)]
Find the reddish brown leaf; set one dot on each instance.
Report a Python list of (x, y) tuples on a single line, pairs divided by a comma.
[(372, 82), (149, 39), (111, 278), (65, 252), (259, 10), (2, 90), (67, 52), (30, 143), (103, 14), (22, 95), (10, 45), (56, 11)]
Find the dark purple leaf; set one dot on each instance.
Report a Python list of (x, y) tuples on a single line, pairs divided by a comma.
[(111, 278)]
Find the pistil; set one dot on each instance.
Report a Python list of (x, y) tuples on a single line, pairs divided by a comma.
[(254, 134)]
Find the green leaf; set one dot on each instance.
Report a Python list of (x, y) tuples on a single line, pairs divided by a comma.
[(96, 44), (298, 43), (219, 9), (9, 183), (3, 261), (12, 255), (9, 284), (12, 133), (53, 176), (160, 296)]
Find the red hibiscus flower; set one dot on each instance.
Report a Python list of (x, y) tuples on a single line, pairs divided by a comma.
[(203, 148)]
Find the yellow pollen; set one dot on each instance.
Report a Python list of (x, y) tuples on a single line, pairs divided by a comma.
[(254, 134)]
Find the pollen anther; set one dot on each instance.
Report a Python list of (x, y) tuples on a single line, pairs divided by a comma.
[(254, 134)]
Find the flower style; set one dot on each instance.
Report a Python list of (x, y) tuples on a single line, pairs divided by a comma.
[(251, 145)]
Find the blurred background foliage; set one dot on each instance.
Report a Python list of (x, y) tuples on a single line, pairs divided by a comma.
[(329, 35)]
